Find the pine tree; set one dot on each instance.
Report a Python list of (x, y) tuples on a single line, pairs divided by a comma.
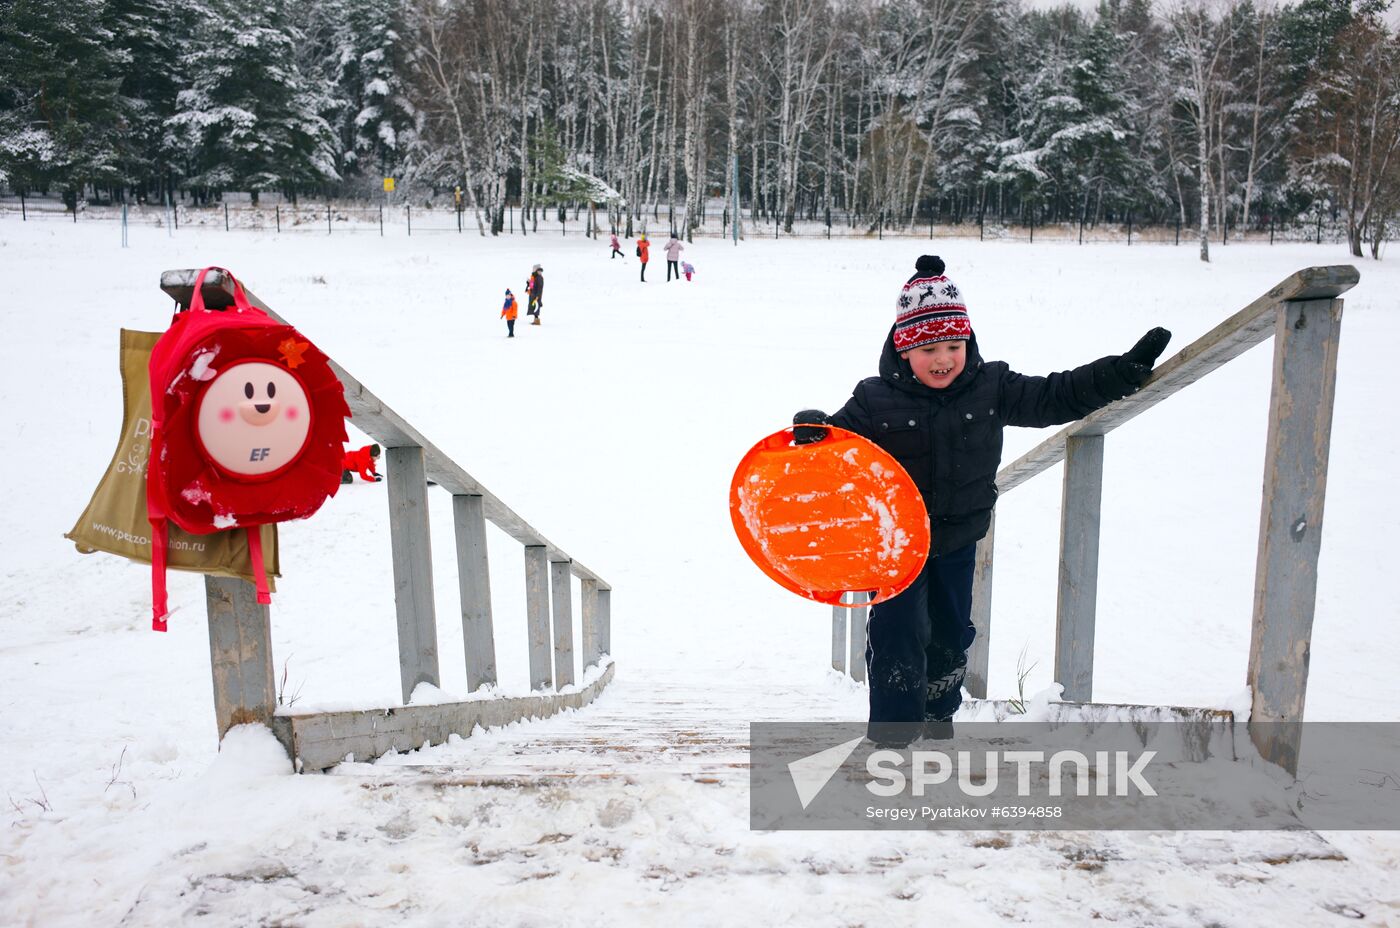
[(61, 115), (251, 119)]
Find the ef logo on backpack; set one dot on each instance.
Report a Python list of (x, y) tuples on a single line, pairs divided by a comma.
[(247, 428)]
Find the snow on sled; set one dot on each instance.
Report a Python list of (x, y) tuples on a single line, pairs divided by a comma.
[(829, 517)]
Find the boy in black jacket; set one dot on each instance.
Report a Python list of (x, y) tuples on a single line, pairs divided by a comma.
[(939, 409)]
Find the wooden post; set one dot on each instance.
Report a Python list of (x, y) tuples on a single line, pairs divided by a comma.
[(858, 615), (979, 655), (1079, 566), (537, 615), (413, 568), (605, 620), (838, 636), (592, 632), (561, 596), (1290, 524), (474, 583), (240, 653)]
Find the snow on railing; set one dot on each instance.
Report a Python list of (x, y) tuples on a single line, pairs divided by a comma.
[(240, 636)]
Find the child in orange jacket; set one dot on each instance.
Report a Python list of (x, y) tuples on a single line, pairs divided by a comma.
[(509, 311), (644, 252)]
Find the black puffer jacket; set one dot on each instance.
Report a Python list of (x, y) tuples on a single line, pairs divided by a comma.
[(949, 440)]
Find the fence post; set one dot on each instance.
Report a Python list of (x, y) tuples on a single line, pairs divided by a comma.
[(225, 215), (537, 615), (1290, 523), (408, 212), (1130, 228), (856, 662), (979, 655), (561, 597), (381, 222), (411, 546), (605, 620), (328, 217), (23, 214), (838, 636), (1079, 566), (240, 654), (1319, 225), (277, 211), (474, 585), (592, 630)]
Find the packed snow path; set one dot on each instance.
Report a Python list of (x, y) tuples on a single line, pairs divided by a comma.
[(635, 809)]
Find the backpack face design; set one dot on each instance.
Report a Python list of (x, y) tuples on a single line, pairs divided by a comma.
[(253, 420)]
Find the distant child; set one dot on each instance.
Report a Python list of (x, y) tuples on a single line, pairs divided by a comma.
[(644, 252), (940, 410), (688, 269), (509, 312), (673, 255), (360, 461), (535, 288), (616, 248)]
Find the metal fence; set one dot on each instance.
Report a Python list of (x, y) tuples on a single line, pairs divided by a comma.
[(407, 219)]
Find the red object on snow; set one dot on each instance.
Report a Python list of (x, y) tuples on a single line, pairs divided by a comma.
[(361, 461), (247, 428)]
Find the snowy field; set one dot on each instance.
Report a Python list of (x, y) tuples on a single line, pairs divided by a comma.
[(614, 428)]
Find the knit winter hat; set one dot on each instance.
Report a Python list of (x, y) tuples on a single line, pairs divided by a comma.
[(930, 308)]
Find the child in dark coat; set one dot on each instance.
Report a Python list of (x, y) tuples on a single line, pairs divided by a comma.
[(939, 409)]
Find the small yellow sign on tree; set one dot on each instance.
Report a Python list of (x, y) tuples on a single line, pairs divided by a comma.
[(388, 185)]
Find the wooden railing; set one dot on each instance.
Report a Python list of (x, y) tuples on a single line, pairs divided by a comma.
[(1303, 314), (240, 629)]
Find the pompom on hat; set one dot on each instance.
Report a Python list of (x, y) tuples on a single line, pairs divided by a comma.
[(930, 308)]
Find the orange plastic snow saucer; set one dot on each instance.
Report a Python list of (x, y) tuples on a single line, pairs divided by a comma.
[(829, 517)]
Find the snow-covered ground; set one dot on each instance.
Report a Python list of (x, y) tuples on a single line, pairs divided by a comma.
[(614, 428)]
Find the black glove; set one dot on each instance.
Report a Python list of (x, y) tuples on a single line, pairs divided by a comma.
[(803, 432), (1136, 366)]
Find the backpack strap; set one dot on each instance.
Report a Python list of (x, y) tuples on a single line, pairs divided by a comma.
[(240, 299), (256, 554), (159, 607)]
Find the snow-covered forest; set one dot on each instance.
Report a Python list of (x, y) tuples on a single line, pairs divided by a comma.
[(1215, 114)]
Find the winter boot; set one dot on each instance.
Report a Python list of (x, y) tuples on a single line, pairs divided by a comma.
[(944, 695), (536, 322)]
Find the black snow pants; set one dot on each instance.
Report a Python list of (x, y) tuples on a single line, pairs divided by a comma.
[(916, 643)]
